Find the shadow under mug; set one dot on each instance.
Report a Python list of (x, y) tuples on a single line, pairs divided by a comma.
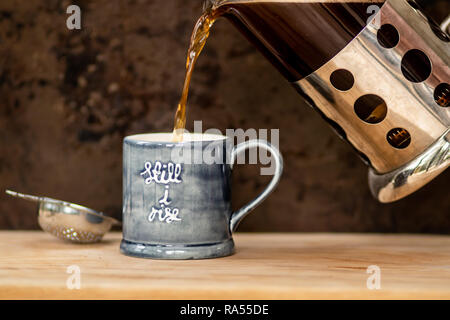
[(177, 196)]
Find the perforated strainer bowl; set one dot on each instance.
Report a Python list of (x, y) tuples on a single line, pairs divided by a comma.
[(68, 221)]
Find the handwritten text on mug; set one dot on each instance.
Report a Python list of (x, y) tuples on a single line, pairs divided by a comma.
[(163, 173)]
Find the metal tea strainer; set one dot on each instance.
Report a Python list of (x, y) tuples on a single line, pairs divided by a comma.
[(69, 221)]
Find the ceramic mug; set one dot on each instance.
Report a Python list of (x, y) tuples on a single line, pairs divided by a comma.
[(177, 196)]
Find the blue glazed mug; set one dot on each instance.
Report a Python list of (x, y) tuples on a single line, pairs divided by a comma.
[(177, 196)]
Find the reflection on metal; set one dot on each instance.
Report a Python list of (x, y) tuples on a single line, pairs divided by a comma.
[(412, 176), (411, 106), (445, 26)]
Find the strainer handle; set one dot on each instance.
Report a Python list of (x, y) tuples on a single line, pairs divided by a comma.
[(24, 196)]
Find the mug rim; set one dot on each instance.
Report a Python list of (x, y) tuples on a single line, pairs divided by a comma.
[(139, 138)]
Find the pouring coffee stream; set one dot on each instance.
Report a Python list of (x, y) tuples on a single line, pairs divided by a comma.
[(198, 41), (375, 70)]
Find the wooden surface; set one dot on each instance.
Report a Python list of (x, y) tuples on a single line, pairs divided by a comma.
[(33, 265)]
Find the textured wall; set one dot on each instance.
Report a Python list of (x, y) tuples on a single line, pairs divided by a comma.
[(67, 98)]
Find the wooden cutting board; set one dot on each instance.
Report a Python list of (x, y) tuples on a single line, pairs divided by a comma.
[(33, 265)]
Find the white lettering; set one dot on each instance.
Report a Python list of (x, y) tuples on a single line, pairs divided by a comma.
[(162, 173), (374, 281), (374, 9), (74, 20), (74, 281)]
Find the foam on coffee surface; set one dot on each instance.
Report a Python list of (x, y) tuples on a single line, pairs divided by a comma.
[(168, 137)]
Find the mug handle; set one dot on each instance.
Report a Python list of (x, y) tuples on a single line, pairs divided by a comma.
[(238, 215)]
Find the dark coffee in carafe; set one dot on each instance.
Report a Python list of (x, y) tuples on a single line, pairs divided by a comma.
[(299, 36)]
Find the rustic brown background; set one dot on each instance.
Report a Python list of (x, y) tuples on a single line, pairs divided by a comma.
[(67, 98)]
